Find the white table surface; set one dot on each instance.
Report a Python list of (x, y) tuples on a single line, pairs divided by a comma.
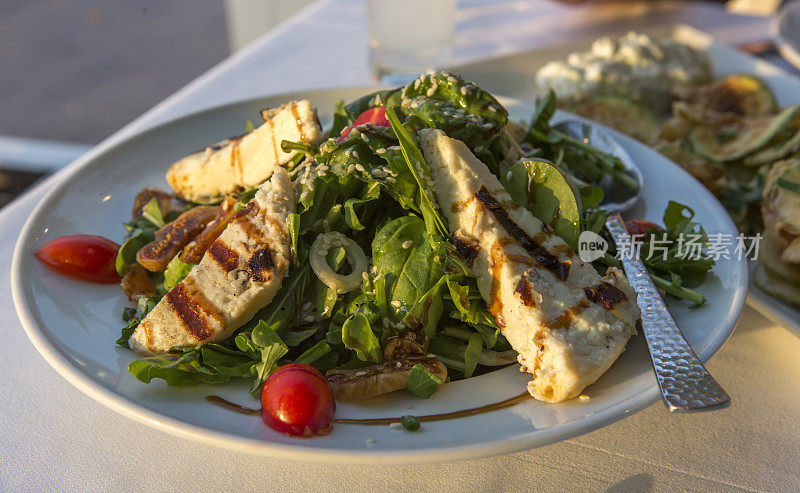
[(52, 436)]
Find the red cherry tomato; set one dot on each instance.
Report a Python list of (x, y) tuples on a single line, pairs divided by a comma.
[(300, 366), (376, 116), (639, 227), (86, 257), (297, 400)]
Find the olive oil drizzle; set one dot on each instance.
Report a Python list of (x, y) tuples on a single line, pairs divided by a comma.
[(219, 401)]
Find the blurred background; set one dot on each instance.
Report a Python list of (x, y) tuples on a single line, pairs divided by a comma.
[(76, 71)]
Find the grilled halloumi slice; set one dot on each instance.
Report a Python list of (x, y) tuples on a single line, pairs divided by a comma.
[(246, 160), (238, 275), (567, 323)]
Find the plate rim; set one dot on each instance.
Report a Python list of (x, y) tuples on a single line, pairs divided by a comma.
[(130, 408)]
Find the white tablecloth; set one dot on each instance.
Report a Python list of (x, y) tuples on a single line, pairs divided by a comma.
[(52, 436)]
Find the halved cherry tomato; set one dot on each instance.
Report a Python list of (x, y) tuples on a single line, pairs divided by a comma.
[(86, 257), (639, 227), (376, 116), (297, 400)]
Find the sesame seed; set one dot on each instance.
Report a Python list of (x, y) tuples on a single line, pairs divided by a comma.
[(492, 109), (584, 397), (361, 373), (451, 79), (380, 151), (465, 91), (309, 318), (509, 175), (416, 84), (355, 154), (351, 168), (390, 179), (374, 269), (359, 168), (397, 303), (414, 104), (306, 305), (365, 276), (348, 153), (341, 291), (399, 326), (396, 425), (431, 355), (432, 90), (364, 137), (398, 364), (407, 244)]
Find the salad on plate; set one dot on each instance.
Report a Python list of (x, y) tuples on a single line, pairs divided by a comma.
[(423, 238)]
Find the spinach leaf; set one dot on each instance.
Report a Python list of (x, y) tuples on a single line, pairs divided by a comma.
[(543, 189), (126, 256), (422, 382), (411, 261)]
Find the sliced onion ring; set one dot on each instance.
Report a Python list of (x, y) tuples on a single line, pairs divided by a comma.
[(355, 257)]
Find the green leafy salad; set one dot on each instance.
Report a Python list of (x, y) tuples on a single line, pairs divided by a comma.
[(367, 215)]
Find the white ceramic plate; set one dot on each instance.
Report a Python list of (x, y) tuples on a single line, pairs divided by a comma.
[(74, 324), (513, 75)]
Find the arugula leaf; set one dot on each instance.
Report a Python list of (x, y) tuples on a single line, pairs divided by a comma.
[(176, 369), (472, 354), (419, 169), (314, 353), (422, 382), (133, 317), (357, 335), (279, 312)]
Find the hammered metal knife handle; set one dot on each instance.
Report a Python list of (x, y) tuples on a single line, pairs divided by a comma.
[(685, 383)]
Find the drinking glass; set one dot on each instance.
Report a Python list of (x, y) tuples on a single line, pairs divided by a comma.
[(407, 37)]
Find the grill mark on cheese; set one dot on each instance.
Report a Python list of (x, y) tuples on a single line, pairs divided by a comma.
[(564, 320), (466, 247), (271, 122), (236, 158), (189, 313), (224, 256), (194, 293), (497, 258), (523, 289), (544, 257), (605, 294), (260, 265), (251, 231), (298, 123)]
